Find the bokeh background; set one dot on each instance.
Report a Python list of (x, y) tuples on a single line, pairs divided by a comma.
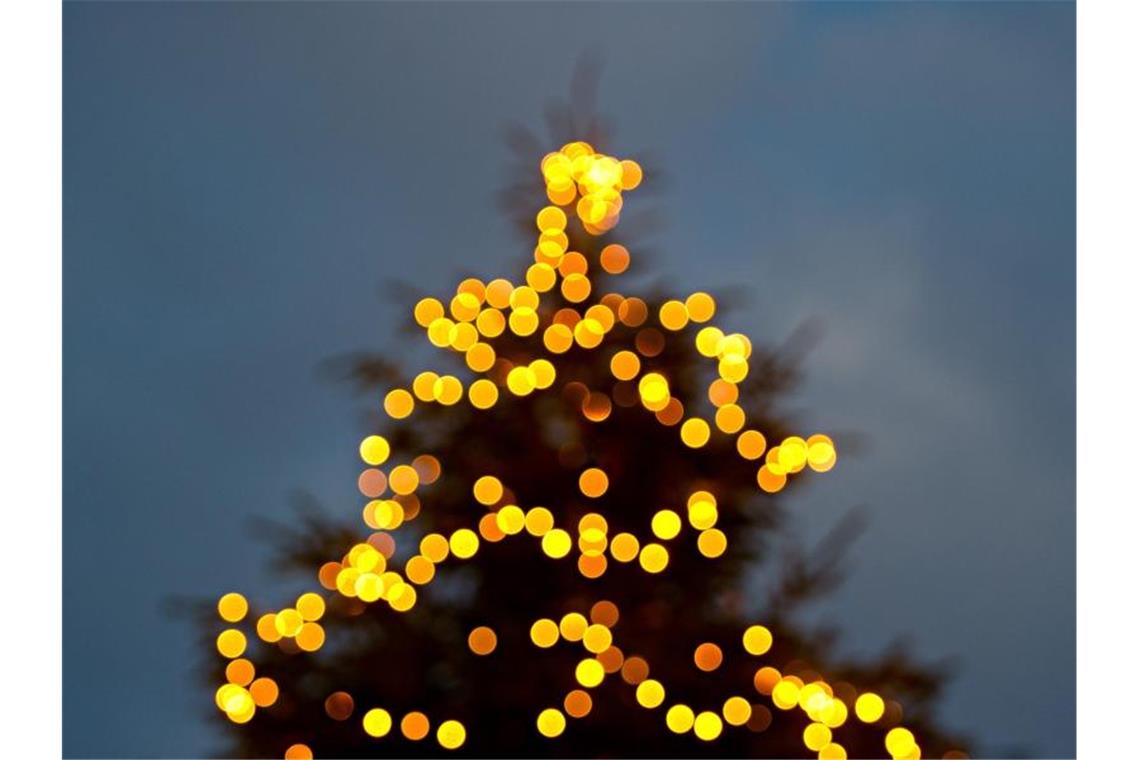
[(241, 179)]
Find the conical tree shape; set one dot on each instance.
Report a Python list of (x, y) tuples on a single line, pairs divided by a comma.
[(667, 614)]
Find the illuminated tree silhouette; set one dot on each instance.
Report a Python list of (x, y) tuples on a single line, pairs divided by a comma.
[(558, 532)]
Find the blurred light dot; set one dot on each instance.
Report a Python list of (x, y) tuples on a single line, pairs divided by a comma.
[(377, 722), (708, 656), (751, 444), (573, 626), (711, 543), (869, 707), (653, 558), (650, 693), (264, 692), (666, 524), (539, 521), (427, 310), (435, 547), (679, 719), (298, 752), (757, 640), (899, 742), (673, 315), (700, 307), (483, 394), (551, 722), (835, 751), (556, 543), (240, 672), (451, 734), (311, 637), (694, 432), (339, 705), (464, 543), (578, 703), (624, 547), (737, 711), (593, 482), (415, 726), (482, 640), (374, 450), (488, 490), (766, 679), (633, 312), (231, 643), (399, 403), (589, 673), (310, 606), (817, 736), (544, 633), (597, 638), (707, 726), (770, 481), (232, 607), (604, 613)]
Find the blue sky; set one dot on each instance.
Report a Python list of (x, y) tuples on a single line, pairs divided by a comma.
[(240, 179)]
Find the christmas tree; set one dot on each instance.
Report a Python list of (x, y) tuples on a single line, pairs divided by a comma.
[(555, 527)]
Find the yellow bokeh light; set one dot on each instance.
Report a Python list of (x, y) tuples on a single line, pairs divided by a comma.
[(488, 490), (597, 638), (695, 432), (869, 707), (666, 524), (544, 633), (551, 722), (673, 315), (539, 521), (703, 514), (751, 444), (729, 418), (700, 307), (231, 643), (834, 751), (483, 394), (653, 558), (625, 365), (427, 310), (232, 607), (377, 722), (786, 694), (817, 736), (650, 693), (435, 547), (757, 640), (679, 718), (624, 547), (556, 543), (573, 626), (899, 742), (463, 543), (374, 450), (403, 479), (589, 673), (711, 543), (451, 734), (707, 726), (736, 711)]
